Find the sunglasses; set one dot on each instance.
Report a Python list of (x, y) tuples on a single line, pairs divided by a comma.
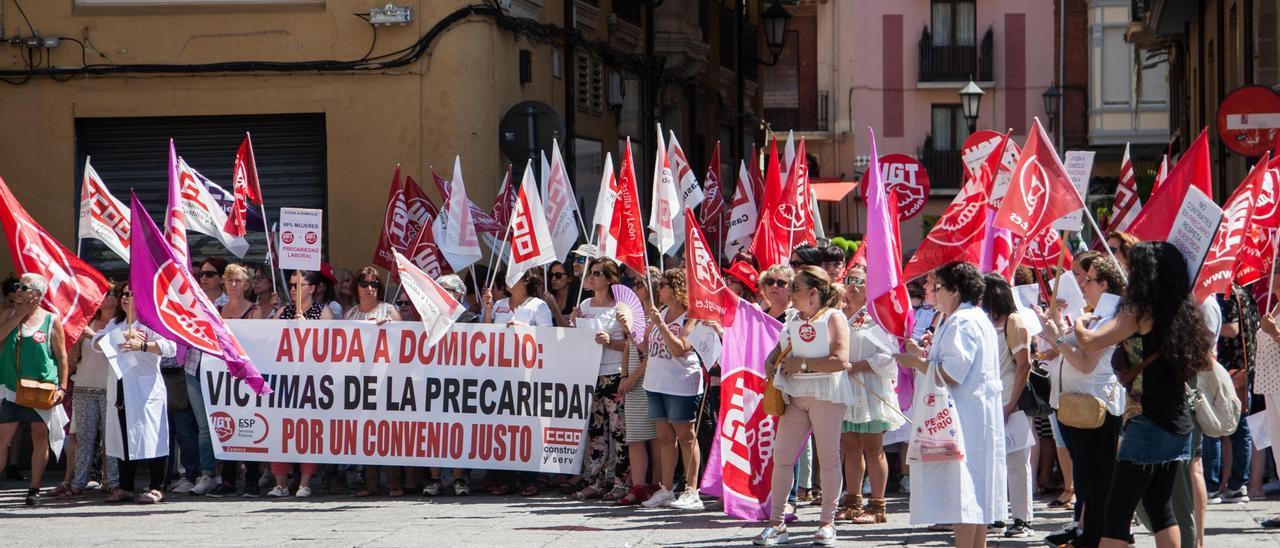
[(209, 273), (1114, 250), (403, 304), (775, 282), (25, 287), (856, 282), (596, 274), (126, 294), (115, 293), (369, 283), (557, 275), (259, 277), (295, 286)]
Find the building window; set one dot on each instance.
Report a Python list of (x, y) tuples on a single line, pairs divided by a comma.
[(588, 165), (954, 22), (949, 127), (1155, 85), (1117, 60), (589, 74), (631, 11)]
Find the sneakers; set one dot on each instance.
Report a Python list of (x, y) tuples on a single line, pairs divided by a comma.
[(1062, 538), (183, 486), (432, 489), (772, 536), (826, 536), (203, 485), (996, 526), (222, 490), (688, 500), (1215, 497), (460, 487), (251, 491), (663, 497), (904, 484), (303, 492), (33, 497), (1019, 529), (1239, 495), (278, 491)]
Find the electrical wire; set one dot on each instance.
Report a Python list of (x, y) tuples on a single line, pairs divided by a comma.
[(372, 27), (24, 18)]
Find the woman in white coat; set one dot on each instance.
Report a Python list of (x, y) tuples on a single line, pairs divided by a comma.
[(138, 433), (970, 493)]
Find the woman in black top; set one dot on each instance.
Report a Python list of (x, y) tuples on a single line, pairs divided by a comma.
[(1159, 308)]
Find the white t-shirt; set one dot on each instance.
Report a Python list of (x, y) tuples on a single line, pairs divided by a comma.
[(603, 318), (667, 374), (533, 311), (812, 339)]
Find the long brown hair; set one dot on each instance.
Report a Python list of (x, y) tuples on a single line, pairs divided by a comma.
[(810, 276)]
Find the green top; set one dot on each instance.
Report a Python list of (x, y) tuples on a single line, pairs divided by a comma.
[(37, 357)]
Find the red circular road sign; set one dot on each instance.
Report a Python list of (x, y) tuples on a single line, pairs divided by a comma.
[(1248, 120), (906, 177)]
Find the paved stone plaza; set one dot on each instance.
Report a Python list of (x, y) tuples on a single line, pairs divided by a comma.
[(482, 520)]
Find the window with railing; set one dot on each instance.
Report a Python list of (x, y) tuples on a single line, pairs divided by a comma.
[(940, 154), (949, 49), (953, 22)]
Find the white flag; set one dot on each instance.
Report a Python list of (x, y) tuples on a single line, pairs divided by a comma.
[(604, 205), (455, 230), (435, 306), (203, 213), (102, 216), (743, 214), (561, 205), (788, 156), (666, 220), (690, 191), (530, 245)]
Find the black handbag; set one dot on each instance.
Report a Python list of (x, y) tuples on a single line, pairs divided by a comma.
[(1034, 400)]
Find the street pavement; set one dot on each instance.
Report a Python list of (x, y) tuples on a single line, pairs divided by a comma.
[(482, 520)]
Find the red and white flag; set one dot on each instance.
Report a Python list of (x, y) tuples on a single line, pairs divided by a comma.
[(957, 236), (1155, 221), (245, 188), (603, 215), (505, 201), (1257, 256), (754, 164), (437, 308), (455, 232), (713, 206), (204, 214), (743, 214), (1125, 206), (1047, 251), (483, 222), (1266, 210), (396, 227), (531, 244), (102, 216), (424, 253), (1220, 263), (797, 195), (175, 217), (626, 228), (691, 194), (561, 205), (422, 211), (709, 297), (75, 288), (665, 219), (1161, 174), (1041, 192)]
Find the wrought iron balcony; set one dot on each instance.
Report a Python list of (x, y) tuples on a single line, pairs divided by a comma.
[(955, 63), (945, 167)]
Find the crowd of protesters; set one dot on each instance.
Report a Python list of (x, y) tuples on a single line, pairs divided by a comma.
[(848, 387)]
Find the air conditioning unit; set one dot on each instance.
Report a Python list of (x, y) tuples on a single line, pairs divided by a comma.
[(391, 14)]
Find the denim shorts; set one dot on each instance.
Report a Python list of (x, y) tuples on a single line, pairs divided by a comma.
[(1142, 442), (677, 409)]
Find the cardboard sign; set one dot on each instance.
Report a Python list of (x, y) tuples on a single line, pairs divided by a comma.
[(300, 238), (1193, 229), (1079, 164)]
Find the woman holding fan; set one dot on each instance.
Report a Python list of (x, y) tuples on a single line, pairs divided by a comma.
[(606, 431)]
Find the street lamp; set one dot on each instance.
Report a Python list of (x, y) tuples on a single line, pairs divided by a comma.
[(970, 99), (776, 21), (1051, 98)]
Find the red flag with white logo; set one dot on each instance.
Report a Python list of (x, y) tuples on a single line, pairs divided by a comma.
[(75, 288), (1155, 221), (246, 171), (395, 234), (1257, 257), (1266, 210), (102, 216), (1220, 263), (531, 244), (505, 201), (713, 203), (203, 214), (1047, 251), (709, 297), (1041, 192), (626, 228), (956, 236), (743, 215)]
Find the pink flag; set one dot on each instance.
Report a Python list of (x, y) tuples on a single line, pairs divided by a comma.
[(175, 219), (741, 468), (887, 297), (169, 300)]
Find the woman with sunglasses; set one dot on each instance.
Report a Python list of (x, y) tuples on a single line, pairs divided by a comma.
[(33, 341), (874, 410), (673, 383), (237, 286), (606, 431), (562, 287), (369, 307), (813, 377), (965, 353), (306, 287), (775, 290), (137, 425)]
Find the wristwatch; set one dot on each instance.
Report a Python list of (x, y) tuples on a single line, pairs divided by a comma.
[(804, 365), (1061, 340)]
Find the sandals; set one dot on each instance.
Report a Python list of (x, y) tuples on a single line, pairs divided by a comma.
[(150, 497), (119, 495), (395, 493), (571, 487), (363, 493), (587, 493), (804, 495), (851, 508), (66, 491), (1060, 503), (637, 495), (619, 490)]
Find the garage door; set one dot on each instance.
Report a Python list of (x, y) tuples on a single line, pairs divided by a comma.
[(132, 154)]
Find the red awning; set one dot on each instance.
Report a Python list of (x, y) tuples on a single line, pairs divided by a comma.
[(832, 191)]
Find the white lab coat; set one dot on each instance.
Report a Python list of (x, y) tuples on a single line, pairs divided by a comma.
[(972, 491), (146, 402)]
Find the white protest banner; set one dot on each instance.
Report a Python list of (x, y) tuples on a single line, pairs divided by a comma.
[(706, 342), (1194, 227), (300, 238), (1079, 164), (485, 397)]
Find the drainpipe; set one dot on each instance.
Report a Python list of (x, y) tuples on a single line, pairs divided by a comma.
[(1062, 113)]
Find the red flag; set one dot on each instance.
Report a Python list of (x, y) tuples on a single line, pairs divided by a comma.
[(757, 179), (713, 202), (709, 297), (1266, 210), (1220, 263), (1155, 221), (627, 226), (1047, 251), (246, 168), (425, 254), (1125, 206), (441, 185), (505, 201), (75, 288), (397, 231), (1041, 191), (1256, 257), (957, 236), (770, 242)]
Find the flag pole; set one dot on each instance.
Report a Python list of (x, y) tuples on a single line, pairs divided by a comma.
[(266, 226), (475, 284), (1102, 236), (502, 245), (1271, 280)]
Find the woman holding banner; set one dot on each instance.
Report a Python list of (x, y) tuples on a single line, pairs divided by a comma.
[(673, 383), (33, 348), (874, 410), (237, 287), (813, 377), (369, 306), (969, 492), (307, 286), (606, 432)]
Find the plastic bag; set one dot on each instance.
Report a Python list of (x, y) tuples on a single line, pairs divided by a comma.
[(937, 436)]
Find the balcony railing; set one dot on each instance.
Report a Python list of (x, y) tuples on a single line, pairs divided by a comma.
[(955, 63), (945, 167), (798, 119)]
